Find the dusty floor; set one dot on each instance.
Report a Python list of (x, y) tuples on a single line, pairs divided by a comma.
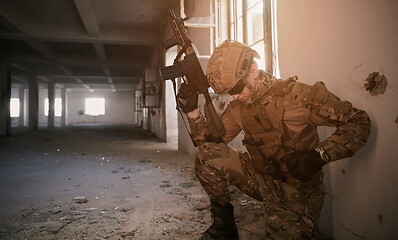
[(132, 187)]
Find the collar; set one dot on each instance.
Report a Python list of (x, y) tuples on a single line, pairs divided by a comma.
[(263, 87)]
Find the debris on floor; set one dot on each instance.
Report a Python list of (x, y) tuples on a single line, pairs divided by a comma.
[(80, 199), (120, 187)]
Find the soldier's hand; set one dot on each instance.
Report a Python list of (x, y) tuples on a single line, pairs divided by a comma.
[(187, 98), (303, 165)]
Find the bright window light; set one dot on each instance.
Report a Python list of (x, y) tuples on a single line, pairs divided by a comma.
[(14, 107), (57, 107), (95, 106)]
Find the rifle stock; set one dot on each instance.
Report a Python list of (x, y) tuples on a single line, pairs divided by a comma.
[(191, 69)]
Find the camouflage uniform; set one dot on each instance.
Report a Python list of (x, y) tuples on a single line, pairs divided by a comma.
[(282, 117)]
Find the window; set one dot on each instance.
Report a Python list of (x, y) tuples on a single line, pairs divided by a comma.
[(246, 22), (236, 20), (138, 100), (14, 107), (57, 107), (94, 106)]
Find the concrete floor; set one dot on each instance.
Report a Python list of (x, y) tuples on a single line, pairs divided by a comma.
[(136, 187)]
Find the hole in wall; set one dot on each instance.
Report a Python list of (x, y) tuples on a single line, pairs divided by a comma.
[(376, 83)]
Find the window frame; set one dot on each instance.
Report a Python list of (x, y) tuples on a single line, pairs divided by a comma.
[(227, 29)]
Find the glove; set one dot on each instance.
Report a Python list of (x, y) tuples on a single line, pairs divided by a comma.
[(187, 98), (304, 164)]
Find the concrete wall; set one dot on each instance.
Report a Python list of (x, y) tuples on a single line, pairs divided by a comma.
[(155, 115), (341, 42), (169, 98), (119, 107), (43, 94)]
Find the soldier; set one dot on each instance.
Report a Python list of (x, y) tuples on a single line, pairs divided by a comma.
[(283, 163)]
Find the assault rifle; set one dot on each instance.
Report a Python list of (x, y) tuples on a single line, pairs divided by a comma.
[(191, 69)]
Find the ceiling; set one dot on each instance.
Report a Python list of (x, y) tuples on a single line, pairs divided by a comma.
[(100, 44)]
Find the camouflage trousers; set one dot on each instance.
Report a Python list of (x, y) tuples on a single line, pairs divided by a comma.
[(291, 210)]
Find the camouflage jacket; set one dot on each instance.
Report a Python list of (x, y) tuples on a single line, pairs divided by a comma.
[(283, 116)]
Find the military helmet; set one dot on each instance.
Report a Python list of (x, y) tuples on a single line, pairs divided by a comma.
[(228, 64)]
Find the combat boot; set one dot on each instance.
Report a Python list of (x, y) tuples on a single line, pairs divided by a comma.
[(223, 227)]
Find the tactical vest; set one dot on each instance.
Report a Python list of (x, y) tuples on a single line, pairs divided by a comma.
[(266, 135)]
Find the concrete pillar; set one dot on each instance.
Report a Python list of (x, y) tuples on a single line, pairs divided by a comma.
[(51, 105), (21, 107), (33, 102), (5, 95), (63, 116), (26, 106)]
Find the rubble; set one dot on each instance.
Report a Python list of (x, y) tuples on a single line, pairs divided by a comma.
[(137, 202), (80, 199)]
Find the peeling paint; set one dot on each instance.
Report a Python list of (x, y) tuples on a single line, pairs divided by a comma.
[(376, 83)]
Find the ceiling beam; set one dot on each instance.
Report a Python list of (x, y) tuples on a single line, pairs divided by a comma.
[(133, 37), (40, 48), (69, 73), (19, 79), (83, 76), (118, 77), (111, 84), (10, 20), (64, 69), (78, 80), (77, 61), (21, 67), (87, 14), (44, 78), (100, 50), (106, 69), (107, 72), (119, 87), (110, 80)]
